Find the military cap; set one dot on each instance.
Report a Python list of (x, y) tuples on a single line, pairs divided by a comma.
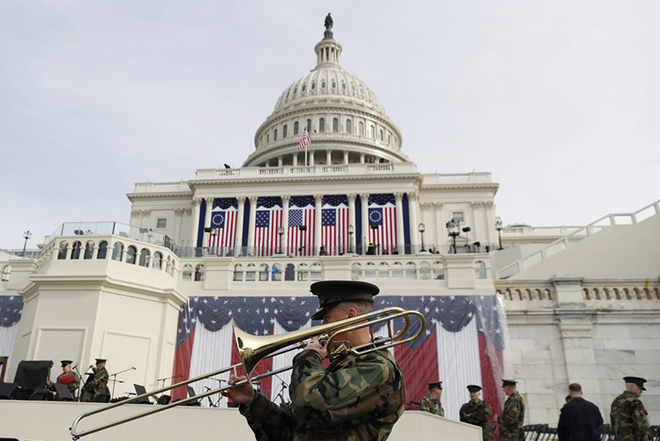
[(508, 382), (101, 360), (333, 292), (66, 362), (474, 388), (435, 384), (635, 380)]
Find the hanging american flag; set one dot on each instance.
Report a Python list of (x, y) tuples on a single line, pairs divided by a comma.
[(305, 140), (462, 344), (334, 224), (382, 223), (223, 220), (11, 310), (300, 240), (267, 220)]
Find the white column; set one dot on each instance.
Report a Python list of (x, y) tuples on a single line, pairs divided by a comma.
[(311, 157), (253, 214), (295, 159), (345, 157), (364, 200), (285, 222), (176, 231), (280, 162), (351, 219), (318, 198), (207, 220), (413, 208), (398, 198), (361, 158), (328, 157), (239, 225), (195, 221)]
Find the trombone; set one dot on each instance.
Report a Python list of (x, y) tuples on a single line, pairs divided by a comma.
[(252, 349)]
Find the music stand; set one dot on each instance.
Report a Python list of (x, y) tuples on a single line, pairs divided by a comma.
[(63, 393), (139, 389)]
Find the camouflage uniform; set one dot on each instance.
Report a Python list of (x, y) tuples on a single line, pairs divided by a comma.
[(72, 387), (431, 405), (629, 419), (98, 386), (478, 413), (357, 398), (511, 420)]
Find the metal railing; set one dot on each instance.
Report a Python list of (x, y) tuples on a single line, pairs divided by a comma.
[(111, 228)]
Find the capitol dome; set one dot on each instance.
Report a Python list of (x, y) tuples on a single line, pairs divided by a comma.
[(346, 121)]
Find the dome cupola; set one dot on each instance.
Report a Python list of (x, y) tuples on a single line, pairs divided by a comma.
[(345, 119)]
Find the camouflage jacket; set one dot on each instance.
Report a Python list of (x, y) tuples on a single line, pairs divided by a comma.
[(629, 419), (431, 405), (72, 387), (511, 420), (99, 385), (354, 399), (479, 414)]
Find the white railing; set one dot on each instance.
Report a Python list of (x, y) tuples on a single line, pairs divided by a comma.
[(161, 187), (287, 170), (588, 230)]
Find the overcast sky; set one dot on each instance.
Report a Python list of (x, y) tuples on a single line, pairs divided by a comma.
[(558, 100)]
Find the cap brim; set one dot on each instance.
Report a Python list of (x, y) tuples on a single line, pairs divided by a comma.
[(318, 315)]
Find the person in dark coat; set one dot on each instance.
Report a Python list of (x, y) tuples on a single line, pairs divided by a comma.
[(579, 419)]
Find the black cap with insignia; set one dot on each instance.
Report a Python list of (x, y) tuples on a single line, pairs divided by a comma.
[(66, 362), (635, 380), (435, 384), (508, 382), (101, 360), (474, 388), (333, 292)]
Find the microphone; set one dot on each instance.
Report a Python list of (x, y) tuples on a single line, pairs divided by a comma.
[(207, 388), (134, 368)]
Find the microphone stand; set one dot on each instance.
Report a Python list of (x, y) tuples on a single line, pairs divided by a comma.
[(283, 386), (115, 381), (217, 403), (79, 399), (165, 379)]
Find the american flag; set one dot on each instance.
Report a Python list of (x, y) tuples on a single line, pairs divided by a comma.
[(223, 219), (301, 213), (334, 224), (382, 216), (268, 219), (305, 140), (462, 344), (11, 310)]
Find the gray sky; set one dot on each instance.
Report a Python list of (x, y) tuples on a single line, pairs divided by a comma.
[(559, 100)]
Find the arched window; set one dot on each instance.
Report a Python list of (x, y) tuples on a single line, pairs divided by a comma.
[(6, 273), (276, 273), (372, 132), (438, 270), (168, 266), (424, 271), (61, 255), (335, 125), (158, 260), (275, 135), (480, 270), (131, 255), (250, 272), (317, 274), (285, 131), (117, 251), (144, 257), (263, 272), (89, 250), (303, 272), (296, 128), (383, 270), (356, 271), (75, 250), (199, 273), (290, 272), (397, 270), (322, 125), (238, 272), (187, 272), (268, 137), (309, 125), (361, 128), (411, 271), (382, 137), (349, 126), (103, 250)]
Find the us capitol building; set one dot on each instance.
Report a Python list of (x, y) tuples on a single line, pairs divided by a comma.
[(582, 302)]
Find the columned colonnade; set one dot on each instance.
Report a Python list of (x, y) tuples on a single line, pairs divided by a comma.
[(413, 209)]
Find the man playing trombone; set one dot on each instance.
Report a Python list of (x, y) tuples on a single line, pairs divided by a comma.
[(357, 397)]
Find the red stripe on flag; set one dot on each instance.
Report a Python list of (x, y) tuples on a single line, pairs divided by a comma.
[(182, 358), (419, 367), (489, 382)]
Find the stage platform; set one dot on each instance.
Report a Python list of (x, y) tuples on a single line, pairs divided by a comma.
[(50, 421)]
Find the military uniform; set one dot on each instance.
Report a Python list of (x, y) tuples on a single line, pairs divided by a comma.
[(478, 413), (431, 405), (98, 385), (72, 387), (629, 419), (513, 414), (357, 398)]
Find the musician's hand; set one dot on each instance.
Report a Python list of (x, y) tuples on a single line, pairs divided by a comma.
[(48, 382), (91, 366), (316, 345), (241, 394)]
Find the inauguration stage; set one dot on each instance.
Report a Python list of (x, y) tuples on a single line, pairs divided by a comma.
[(50, 421)]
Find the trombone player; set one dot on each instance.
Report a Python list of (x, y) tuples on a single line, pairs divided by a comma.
[(355, 397)]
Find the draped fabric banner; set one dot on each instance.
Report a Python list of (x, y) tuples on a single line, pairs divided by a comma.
[(223, 220), (334, 225), (300, 237), (267, 220), (382, 223), (11, 308), (462, 343)]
